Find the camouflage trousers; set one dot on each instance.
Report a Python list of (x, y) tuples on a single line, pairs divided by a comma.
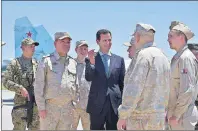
[(58, 117), (184, 124), (81, 113), (187, 122), (20, 124), (151, 123)]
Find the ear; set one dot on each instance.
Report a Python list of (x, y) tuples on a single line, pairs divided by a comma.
[(55, 43), (76, 49), (97, 41), (138, 37), (183, 37), (22, 47)]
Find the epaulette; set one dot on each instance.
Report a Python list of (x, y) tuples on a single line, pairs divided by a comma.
[(72, 65), (70, 57), (48, 55), (46, 58)]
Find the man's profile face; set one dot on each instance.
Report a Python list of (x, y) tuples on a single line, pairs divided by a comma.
[(131, 50)]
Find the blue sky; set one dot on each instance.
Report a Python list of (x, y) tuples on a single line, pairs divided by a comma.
[(83, 19)]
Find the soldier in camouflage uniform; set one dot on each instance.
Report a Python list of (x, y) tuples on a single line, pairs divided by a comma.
[(194, 48), (56, 86), (19, 77), (182, 112), (84, 86), (146, 89)]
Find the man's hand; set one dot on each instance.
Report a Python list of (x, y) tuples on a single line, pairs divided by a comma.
[(121, 125), (91, 55), (173, 121), (42, 114), (24, 92)]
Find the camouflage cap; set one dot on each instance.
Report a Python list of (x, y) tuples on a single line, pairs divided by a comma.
[(29, 41), (2, 43), (144, 27), (81, 43), (132, 42), (183, 28), (62, 35), (193, 46)]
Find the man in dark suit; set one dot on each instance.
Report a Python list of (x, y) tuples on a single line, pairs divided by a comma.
[(106, 72)]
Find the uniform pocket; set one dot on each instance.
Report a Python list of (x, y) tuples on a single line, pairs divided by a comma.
[(18, 115), (151, 76)]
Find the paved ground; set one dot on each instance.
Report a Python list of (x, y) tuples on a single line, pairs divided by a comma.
[(7, 97)]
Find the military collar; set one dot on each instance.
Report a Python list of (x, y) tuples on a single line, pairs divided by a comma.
[(178, 54), (79, 61), (25, 58), (150, 44), (57, 56), (29, 59)]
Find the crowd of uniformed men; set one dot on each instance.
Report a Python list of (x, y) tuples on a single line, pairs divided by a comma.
[(153, 94)]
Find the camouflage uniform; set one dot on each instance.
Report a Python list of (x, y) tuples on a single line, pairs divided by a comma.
[(194, 48), (146, 91), (80, 111), (18, 73), (184, 85), (56, 91)]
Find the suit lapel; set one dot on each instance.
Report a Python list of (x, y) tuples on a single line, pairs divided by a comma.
[(100, 64)]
